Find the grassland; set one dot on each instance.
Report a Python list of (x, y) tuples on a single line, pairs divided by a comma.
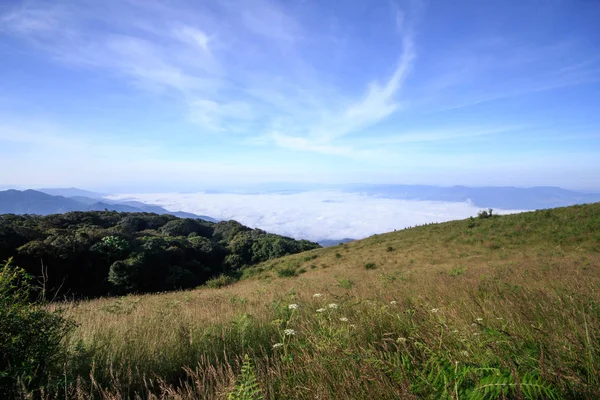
[(503, 307)]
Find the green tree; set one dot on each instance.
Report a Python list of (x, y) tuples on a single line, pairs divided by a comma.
[(124, 275)]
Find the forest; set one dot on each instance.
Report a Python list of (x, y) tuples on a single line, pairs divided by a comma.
[(99, 253)]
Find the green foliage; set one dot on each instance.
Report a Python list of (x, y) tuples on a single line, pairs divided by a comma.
[(346, 283), (90, 254), (389, 249), (30, 337), (471, 223), (219, 282), (483, 214), (125, 275), (287, 271), (113, 247), (457, 271), (246, 385), (434, 375), (370, 265)]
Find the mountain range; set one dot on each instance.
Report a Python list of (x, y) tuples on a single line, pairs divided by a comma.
[(504, 197), (41, 203)]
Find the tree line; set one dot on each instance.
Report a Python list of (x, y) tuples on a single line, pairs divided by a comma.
[(97, 253)]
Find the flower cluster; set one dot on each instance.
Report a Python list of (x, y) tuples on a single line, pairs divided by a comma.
[(289, 332), (293, 306), (317, 295), (320, 310), (344, 319), (276, 345), (332, 306)]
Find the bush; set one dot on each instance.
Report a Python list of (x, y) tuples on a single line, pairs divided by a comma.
[(370, 265), (346, 283), (30, 337), (485, 214), (287, 272), (219, 282)]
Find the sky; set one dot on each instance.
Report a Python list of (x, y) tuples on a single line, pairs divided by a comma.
[(150, 96)]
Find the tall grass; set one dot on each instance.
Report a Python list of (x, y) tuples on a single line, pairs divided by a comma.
[(520, 320)]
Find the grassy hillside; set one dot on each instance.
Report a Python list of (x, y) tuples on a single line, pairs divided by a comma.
[(503, 307)]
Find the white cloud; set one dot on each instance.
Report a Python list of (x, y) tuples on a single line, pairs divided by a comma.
[(193, 36), (313, 215), (228, 64)]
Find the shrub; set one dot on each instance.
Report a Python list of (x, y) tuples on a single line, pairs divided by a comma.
[(346, 283), (485, 214), (219, 282), (287, 272), (389, 249), (471, 221), (370, 265), (30, 337)]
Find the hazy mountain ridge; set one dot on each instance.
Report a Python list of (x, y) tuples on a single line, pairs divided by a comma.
[(41, 203), (507, 197)]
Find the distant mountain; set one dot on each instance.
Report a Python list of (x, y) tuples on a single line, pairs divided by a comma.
[(334, 242), (71, 192), (40, 203), (507, 197), (34, 202)]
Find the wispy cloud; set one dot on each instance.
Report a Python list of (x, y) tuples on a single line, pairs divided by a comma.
[(212, 69), (382, 89)]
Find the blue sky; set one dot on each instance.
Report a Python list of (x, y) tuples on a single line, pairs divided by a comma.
[(137, 95)]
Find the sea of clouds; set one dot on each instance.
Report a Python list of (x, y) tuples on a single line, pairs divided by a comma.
[(313, 215)]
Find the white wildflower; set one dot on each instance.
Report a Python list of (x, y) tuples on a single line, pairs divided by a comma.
[(352, 326), (317, 295), (478, 319), (393, 302), (293, 306), (475, 333), (289, 332), (434, 310), (276, 345), (320, 310), (344, 319), (332, 305), (465, 353), (402, 339)]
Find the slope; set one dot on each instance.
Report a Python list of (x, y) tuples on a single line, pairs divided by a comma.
[(501, 307)]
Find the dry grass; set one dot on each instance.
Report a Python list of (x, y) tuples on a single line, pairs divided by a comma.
[(516, 296)]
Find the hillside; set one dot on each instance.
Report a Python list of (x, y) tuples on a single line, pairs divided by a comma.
[(501, 307)]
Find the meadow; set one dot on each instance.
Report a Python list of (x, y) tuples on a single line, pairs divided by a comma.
[(483, 308)]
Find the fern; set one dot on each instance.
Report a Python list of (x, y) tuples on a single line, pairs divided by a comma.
[(246, 386), (440, 378), (504, 385)]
